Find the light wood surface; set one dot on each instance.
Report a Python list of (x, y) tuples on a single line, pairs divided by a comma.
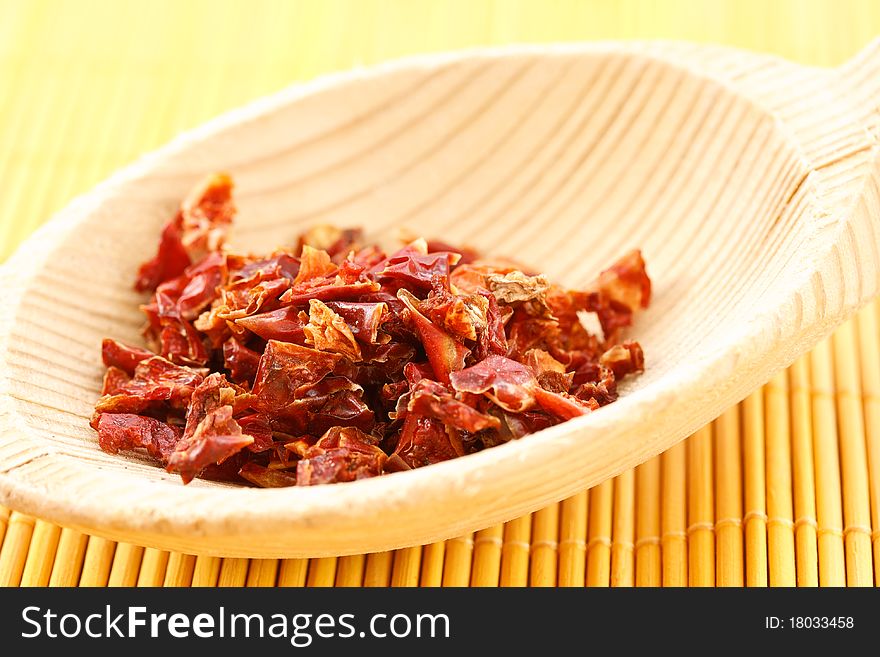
[(750, 183)]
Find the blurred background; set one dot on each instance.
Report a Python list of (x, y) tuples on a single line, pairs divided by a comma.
[(88, 85)]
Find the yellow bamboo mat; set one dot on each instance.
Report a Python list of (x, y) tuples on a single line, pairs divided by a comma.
[(782, 489)]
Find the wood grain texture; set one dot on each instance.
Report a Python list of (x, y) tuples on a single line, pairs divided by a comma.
[(756, 205)]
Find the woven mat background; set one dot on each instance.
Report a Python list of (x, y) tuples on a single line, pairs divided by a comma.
[(782, 489)]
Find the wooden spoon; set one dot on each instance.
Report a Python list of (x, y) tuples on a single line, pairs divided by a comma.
[(751, 184)]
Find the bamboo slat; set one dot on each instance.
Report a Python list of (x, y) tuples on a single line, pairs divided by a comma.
[(599, 535), (853, 459), (153, 565), (648, 556), (378, 570), (41, 554), (545, 546), (233, 572), (754, 479), (179, 571), (97, 562), (322, 572), (13, 554), (432, 564), (623, 530), (573, 541), (803, 479), (262, 573), (869, 352), (407, 564), (701, 519), (126, 565), (729, 567), (292, 572), (457, 565), (515, 552), (829, 514), (487, 550), (350, 570), (673, 521), (780, 522), (69, 558), (4, 522), (206, 571)]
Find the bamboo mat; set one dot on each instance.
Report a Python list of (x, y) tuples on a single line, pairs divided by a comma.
[(783, 489)]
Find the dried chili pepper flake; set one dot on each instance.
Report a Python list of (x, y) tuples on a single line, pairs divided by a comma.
[(341, 454), (445, 353), (285, 368), (465, 317), (473, 277), (125, 357), (200, 227), (562, 405), (266, 477), (156, 383), (181, 343), (435, 400), (623, 359), (207, 214), (492, 340), (396, 464), (329, 361), (327, 290), (258, 427), (335, 241), (426, 440), (626, 282), (121, 402), (314, 263), (170, 260), (550, 373), (299, 446), (364, 319), (602, 392), (349, 240), (122, 431), (505, 381), (525, 332), (517, 425), (327, 331), (216, 437), (240, 361), (251, 296), (283, 325), (388, 359), (338, 465), (214, 391), (418, 270), (114, 382), (280, 264), (515, 287), (541, 362), (333, 401), (391, 392), (466, 253), (197, 287), (345, 437)]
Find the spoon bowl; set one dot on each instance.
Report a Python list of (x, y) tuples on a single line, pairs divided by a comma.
[(751, 184)]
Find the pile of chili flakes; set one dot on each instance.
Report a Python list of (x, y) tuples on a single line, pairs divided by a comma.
[(333, 361)]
